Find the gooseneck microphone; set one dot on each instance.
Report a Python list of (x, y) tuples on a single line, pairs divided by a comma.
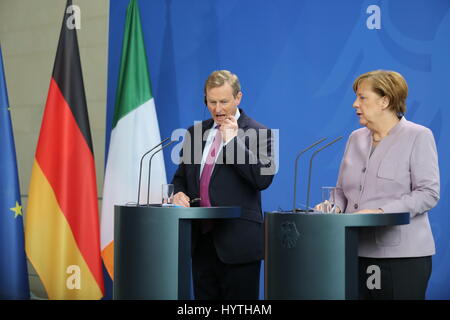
[(310, 166), (140, 166), (150, 168), (296, 169)]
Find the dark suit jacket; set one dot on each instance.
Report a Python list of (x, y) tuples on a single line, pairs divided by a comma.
[(246, 169)]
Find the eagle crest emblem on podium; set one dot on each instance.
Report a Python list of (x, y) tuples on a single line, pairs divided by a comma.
[(289, 234)]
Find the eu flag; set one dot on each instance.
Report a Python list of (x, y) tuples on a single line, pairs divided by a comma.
[(13, 267)]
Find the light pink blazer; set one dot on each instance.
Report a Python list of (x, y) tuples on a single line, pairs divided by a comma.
[(401, 175)]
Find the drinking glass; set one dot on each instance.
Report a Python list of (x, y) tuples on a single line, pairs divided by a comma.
[(328, 200), (167, 194)]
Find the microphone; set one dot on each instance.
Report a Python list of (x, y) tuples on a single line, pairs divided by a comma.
[(150, 169), (295, 171), (140, 166), (310, 166)]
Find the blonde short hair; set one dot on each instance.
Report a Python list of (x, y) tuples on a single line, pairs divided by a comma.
[(388, 84), (219, 78)]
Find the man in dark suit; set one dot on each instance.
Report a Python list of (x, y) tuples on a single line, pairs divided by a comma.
[(226, 161)]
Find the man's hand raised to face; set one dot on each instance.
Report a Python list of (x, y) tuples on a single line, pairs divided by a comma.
[(229, 129)]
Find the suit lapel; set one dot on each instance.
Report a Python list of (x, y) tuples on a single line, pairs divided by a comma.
[(207, 124), (387, 143)]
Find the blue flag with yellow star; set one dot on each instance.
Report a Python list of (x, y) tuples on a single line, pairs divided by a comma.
[(13, 267)]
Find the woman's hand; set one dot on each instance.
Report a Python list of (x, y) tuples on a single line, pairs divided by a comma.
[(327, 207)]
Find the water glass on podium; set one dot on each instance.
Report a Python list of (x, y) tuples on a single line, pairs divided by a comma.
[(167, 195), (328, 200)]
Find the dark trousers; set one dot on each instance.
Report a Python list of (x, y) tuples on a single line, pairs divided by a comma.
[(215, 280), (400, 278)]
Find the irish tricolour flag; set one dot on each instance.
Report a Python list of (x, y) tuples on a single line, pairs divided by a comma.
[(134, 131)]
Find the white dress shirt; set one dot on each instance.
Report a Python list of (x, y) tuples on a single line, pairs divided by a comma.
[(210, 139)]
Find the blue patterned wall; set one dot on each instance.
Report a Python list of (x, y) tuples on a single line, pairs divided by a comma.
[(297, 60)]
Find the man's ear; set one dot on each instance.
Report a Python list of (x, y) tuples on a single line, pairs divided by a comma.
[(239, 97), (206, 102)]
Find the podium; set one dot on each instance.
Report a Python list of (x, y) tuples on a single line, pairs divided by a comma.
[(152, 250), (315, 255)]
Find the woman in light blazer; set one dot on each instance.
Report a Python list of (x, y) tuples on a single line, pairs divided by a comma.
[(390, 165)]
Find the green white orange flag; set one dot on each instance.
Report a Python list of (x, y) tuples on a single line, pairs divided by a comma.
[(134, 131), (62, 226)]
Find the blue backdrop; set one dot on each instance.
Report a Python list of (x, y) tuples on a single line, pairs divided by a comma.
[(297, 60)]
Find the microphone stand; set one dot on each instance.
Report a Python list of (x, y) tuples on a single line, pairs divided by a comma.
[(310, 166), (140, 166), (296, 169), (150, 169)]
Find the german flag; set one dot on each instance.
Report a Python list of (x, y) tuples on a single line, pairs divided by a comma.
[(62, 229)]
